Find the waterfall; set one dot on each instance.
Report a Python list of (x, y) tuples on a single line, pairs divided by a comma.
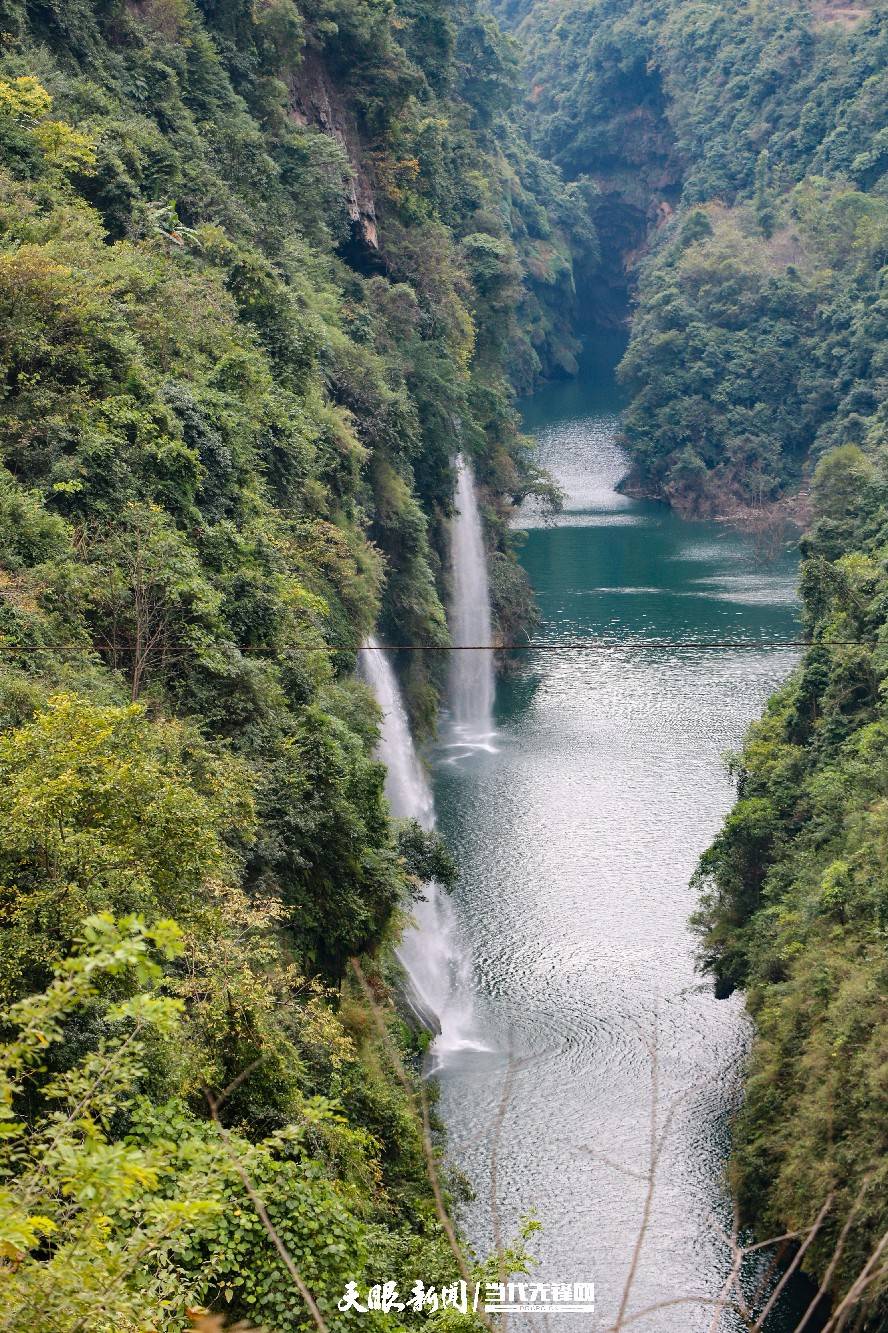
[(471, 672), (437, 966)]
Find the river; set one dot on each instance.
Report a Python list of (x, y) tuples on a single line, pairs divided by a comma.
[(577, 831)]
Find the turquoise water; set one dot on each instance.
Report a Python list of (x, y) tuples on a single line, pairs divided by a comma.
[(576, 840)]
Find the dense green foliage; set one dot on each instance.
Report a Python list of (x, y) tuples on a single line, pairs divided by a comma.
[(794, 903), (123, 1209), (751, 354), (263, 270), (749, 141)]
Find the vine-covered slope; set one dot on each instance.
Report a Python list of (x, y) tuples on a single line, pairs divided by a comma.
[(264, 268), (750, 141)]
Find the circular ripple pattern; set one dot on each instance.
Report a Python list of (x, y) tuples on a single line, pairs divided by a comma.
[(577, 839)]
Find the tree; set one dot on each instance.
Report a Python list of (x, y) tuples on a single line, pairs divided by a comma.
[(150, 599), (101, 810)]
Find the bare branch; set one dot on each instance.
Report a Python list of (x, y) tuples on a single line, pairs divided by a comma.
[(733, 1279), (797, 1259), (843, 1310), (613, 1164), (262, 1213), (836, 1254), (670, 1304), (425, 1128), (494, 1173), (656, 1143)]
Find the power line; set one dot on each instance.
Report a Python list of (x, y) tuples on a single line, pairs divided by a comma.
[(534, 645)]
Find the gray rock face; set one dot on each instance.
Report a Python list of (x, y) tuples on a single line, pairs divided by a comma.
[(315, 101)]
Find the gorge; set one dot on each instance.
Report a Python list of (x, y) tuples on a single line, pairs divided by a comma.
[(286, 289)]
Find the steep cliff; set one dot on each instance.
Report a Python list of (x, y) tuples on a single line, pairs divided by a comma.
[(741, 160)]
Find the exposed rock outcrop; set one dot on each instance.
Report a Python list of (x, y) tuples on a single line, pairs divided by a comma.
[(315, 101)]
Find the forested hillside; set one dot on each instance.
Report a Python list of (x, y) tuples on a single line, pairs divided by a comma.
[(756, 342), (264, 269), (745, 146)]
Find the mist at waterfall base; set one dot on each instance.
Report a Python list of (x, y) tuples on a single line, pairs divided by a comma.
[(576, 842), (434, 957)]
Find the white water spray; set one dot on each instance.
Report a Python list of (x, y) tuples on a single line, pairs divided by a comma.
[(431, 953), (471, 671)]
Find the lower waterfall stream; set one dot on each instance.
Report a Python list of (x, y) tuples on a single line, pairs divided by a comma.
[(432, 953)]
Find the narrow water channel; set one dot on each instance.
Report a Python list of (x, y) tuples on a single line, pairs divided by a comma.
[(577, 833)]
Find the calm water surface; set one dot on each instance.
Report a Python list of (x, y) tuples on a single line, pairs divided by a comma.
[(576, 841)]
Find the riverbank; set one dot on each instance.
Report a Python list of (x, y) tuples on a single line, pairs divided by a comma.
[(772, 523)]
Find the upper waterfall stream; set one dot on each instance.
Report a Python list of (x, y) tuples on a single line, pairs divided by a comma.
[(471, 685), (576, 840)]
